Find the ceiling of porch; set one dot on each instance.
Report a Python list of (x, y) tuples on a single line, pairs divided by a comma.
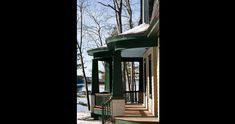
[(134, 52)]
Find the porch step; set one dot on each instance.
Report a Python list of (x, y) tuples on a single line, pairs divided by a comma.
[(135, 110), (97, 110), (136, 120), (102, 94)]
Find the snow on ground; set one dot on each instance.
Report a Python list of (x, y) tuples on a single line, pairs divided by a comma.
[(88, 122), (83, 115), (85, 118)]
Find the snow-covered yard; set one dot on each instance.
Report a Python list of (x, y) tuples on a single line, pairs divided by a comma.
[(85, 118)]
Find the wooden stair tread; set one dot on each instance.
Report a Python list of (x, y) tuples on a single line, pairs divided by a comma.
[(138, 119), (102, 94), (98, 108)]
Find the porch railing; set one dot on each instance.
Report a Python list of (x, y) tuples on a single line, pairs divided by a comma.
[(132, 97), (106, 111), (101, 98)]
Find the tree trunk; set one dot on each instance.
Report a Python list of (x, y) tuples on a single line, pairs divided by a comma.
[(118, 14), (129, 11), (81, 58), (86, 82), (127, 76), (124, 76), (133, 80)]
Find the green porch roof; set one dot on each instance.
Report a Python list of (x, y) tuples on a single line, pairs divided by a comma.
[(100, 53), (97, 50), (147, 38)]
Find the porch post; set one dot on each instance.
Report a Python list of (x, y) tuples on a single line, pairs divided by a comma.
[(110, 75), (95, 85), (118, 102), (117, 86), (95, 77), (141, 96)]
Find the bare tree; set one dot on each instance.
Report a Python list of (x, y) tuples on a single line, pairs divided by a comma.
[(127, 5), (117, 7), (81, 7), (129, 75), (94, 32), (127, 69)]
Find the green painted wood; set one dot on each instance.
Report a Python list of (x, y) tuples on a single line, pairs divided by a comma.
[(98, 111), (100, 99), (117, 86), (120, 42), (95, 77), (141, 75), (117, 121), (143, 39), (96, 50), (110, 75), (141, 83), (104, 54), (100, 53), (126, 42)]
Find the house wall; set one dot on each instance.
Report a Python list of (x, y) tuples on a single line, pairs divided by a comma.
[(157, 78), (152, 102)]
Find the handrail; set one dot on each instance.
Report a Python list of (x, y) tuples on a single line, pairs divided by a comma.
[(106, 110)]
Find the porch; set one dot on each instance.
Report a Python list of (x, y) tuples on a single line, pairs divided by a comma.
[(135, 114), (116, 102)]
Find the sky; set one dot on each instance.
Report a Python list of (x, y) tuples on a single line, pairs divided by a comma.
[(106, 17)]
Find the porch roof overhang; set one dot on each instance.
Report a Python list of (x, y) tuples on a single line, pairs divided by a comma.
[(100, 53), (133, 53), (91, 52), (144, 38), (104, 53)]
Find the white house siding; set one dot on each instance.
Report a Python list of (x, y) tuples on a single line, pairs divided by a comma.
[(152, 102), (158, 78)]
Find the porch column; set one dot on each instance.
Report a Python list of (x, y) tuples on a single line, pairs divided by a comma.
[(117, 86), (141, 96), (95, 84), (118, 102), (95, 77)]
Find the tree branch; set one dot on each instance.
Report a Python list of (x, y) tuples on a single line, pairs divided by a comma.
[(124, 5), (108, 6)]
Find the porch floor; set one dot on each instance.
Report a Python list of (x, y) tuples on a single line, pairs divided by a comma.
[(137, 113), (136, 110)]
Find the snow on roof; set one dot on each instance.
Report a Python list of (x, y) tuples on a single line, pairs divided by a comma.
[(141, 28), (105, 45)]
